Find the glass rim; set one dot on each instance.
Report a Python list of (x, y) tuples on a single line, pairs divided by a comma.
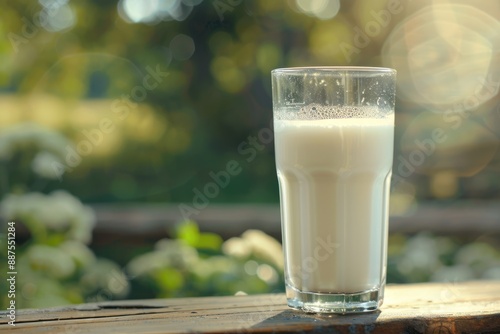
[(333, 69)]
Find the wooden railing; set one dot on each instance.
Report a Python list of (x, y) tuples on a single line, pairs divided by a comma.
[(456, 218)]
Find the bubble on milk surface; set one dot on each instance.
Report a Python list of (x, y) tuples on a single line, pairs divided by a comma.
[(319, 112)]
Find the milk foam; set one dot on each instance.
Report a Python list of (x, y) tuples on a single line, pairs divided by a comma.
[(317, 112)]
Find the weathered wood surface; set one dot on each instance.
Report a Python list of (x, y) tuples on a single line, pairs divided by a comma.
[(431, 308)]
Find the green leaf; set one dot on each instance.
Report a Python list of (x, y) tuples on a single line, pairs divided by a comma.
[(169, 279), (210, 241), (188, 232)]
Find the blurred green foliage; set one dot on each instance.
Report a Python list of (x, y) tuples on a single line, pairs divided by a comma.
[(212, 95), (164, 146), (426, 257), (56, 266), (195, 263)]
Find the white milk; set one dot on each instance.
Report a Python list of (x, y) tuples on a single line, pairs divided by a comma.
[(334, 177)]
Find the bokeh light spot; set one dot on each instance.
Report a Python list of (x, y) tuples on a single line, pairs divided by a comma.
[(138, 10), (444, 184), (267, 273), (182, 47), (435, 142), (251, 267), (154, 11), (444, 55), (57, 18), (228, 75), (322, 9)]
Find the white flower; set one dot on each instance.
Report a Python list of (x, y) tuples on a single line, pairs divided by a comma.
[(178, 253), (58, 211), (25, 134), (257, 243), (51, 260), (9, 206), (82, 226), (107, 278), (80, 253), (237, 247), (167, 253), (41, 292), (45, 164), (146, 263), (214, 265), (476, 255), (265, 246)]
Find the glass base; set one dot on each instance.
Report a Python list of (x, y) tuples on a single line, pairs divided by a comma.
[(341, 303)]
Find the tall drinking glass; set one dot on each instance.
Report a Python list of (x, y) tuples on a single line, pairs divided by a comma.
[(334, 134)]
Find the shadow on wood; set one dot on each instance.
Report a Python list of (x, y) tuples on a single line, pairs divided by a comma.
[(292, 320)]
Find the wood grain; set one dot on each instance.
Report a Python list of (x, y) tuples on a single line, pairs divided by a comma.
[(430, 308)]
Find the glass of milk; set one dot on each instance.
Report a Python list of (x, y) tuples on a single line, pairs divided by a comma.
[(334, 134)]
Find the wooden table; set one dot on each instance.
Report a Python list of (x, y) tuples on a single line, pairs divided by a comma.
[(431, 308)]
